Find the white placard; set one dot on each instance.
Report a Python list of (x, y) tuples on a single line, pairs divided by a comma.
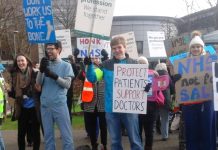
[(95, 45), (95, 16), (215, 84), (131, 47), (65, 38), (128, 88), (156, 43)]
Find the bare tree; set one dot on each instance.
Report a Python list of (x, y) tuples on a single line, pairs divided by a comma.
[(169, 29), (64, 12)]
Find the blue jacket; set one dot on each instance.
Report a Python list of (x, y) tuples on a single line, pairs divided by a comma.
[(107, 67)]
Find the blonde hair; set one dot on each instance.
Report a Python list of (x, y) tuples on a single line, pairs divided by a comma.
[(161, 66), (118, 40)]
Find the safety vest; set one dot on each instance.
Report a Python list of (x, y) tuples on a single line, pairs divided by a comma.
[(87, 93), (1, 100)]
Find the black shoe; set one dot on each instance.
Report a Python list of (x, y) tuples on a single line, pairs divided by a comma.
[(164, 139)]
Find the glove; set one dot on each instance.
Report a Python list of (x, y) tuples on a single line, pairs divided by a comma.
[(87, 61), (104, 53), (177, 77), (43, 64), (51, 74), (147, 87)]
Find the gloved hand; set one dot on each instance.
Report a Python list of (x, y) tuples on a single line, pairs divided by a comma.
[(104, 54), (51, 74), (176, 77), (43, 64), (147, 87), (87, 61)]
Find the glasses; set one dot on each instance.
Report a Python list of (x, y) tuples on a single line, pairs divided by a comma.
[(49, 49)]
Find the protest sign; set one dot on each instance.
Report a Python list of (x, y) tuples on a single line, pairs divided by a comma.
[(131, 47), (196, 82), (92, 47), (65, 38), (177, 45), (215, 85), (94, 18), (156, 43), (128, 88), (39, 21)]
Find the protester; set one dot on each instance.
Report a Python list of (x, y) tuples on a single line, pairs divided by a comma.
[(94, 111), (70, 94), (146, 121), (199, 117), (164, 111), (130, 121), (27, 100), (2, 98), (55, 78)]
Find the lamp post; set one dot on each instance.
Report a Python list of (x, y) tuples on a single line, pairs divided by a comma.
[(15, 46)]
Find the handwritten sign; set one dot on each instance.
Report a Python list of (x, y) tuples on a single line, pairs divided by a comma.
[(196, 82), (128, 88), (177, 45), (95, 45), (94, 17), (39, 21), (215, 84), (131, 47)]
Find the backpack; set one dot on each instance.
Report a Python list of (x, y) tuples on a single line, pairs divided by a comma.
[(159, 98)]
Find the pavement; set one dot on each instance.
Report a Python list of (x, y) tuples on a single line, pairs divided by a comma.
[(80, 138)]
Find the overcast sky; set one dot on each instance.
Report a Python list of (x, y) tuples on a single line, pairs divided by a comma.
[(171, 8)]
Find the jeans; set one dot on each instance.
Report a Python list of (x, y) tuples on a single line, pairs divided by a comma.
[(164, 119), (130, 121), (60, 115), (2, 145), (200, 129)]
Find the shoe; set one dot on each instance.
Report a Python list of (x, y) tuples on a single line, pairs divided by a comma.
[(29, 145), (164, 139)]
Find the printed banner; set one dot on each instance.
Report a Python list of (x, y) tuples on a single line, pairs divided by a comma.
[(196, 82), (95, 45), (94, 17), (128, 88), (39, 21), (156, 43)]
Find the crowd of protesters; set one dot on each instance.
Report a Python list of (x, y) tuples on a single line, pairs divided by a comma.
[(44, 97)]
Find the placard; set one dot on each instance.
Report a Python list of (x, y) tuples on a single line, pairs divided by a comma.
[(196, 82), (39, 21), (128, 88)]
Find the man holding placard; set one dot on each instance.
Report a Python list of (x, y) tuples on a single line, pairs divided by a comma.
[(114, 120)]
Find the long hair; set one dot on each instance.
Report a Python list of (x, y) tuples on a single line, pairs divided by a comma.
[(15, 67)]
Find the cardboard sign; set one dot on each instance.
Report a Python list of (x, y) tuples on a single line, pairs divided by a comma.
[(39, 21), (131, 47), (128, 88), (196, 82), (177, 45), (65, 38), (95, 45), (156, 43), (215, 85), (94, 17)]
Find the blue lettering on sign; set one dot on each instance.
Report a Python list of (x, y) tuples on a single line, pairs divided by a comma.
[(39, 21), (197, 93), (92, 53)]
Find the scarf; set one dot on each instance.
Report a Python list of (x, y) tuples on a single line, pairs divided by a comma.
[(23, 80)]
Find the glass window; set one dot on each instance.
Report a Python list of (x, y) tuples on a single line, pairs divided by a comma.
[(139, 45)]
